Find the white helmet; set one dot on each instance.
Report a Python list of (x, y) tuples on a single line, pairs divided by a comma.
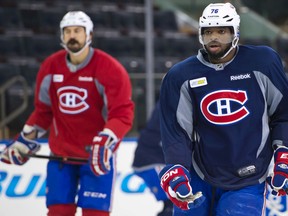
[(77, 18), (218, 15)]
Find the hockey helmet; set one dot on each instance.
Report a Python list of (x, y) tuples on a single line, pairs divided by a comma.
[(77, 18), (220, 15)]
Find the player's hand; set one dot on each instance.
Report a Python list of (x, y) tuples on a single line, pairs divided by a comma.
[(279, 179), (15, 151), (175, 182), (104, 145)]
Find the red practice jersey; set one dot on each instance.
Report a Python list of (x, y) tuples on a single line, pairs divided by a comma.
[(76, 104)]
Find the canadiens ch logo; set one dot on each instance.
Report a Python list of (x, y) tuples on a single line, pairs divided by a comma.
[(72, 99), (224, 106)]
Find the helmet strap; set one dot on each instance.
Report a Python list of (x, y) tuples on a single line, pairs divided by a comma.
[(76, 53), (233, 45)]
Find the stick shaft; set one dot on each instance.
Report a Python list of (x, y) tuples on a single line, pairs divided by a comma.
[(57, 158)]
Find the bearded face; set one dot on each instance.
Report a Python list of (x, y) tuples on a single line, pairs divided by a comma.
[(216, 52), (74, 46), (74, 37), (217, 41)]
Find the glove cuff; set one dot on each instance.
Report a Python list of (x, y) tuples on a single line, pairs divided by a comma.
[(171, 174), (276, 147), (29, 142), (110, 133), (281, 155), (39, 132)]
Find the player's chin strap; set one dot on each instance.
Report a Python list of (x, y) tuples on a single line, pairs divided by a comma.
[(233, 45), (76, 53)]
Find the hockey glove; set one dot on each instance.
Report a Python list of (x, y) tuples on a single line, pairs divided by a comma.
[(14, 152), (102, 150), (175, 182), (279, 179)]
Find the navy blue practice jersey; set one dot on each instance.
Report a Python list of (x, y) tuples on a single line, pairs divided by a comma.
[(225, 118), (149, 150)]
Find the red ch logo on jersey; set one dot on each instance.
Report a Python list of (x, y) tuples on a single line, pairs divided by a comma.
[(72, 99), (222, 103)]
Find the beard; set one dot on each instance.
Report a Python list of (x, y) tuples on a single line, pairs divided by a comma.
[(219, 55), (74, 46)]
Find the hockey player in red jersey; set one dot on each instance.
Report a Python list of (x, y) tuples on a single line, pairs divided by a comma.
[(83, 96)]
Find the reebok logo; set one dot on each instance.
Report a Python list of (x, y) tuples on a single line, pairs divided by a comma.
[(240, 77), (85, 79)]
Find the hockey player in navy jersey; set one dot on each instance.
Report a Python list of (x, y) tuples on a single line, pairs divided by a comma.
[(224, 115), (149, 160)]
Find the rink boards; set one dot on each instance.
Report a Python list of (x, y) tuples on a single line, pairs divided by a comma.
[(22, 188)]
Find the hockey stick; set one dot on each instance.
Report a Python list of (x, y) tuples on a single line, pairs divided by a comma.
[(57, 158)]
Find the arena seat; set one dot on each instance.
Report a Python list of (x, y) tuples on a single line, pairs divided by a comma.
[(165, 21), (133, 64), (30, 18), (11, 45), (282, 46), (100, 19), (8, 71), (116, 46), (9, 19), (256, 41), (41, 45), (49, 20)]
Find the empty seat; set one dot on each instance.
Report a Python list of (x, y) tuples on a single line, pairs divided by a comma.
[(184, 47), (116, 46), (9, 3), (9, 18), (162, 47), (139, 20), (14, 94), (100, 19), (8, 71), (133, 64), (41, 46), (256, 41), (67, 5), (11, 45), (164, 63), (282, 46), (50, 19), (136, 2), (14, 100), (126, 21), (29, 72), (165, 21), (138, 47), (30, 18)]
